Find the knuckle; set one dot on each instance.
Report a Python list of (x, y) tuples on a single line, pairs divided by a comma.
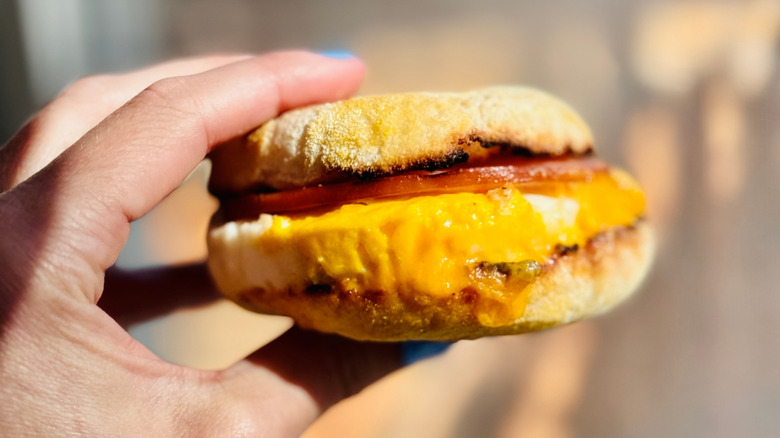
[(14, 154), (168, 92), (174, 103), (63, 109), (172, 96), (87, 86)]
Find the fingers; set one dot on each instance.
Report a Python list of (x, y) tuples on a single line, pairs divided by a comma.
[(79, 108), (157, 139), (285, 385), (139, 154), (304, 373)]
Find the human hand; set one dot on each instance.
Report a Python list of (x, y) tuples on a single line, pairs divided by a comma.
[(101, 155)]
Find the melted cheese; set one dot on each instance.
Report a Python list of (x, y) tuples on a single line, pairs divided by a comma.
[(434, 244)]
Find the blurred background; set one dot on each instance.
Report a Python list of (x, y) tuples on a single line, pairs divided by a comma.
[(685, 94)]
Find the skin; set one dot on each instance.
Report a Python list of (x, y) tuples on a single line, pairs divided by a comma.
[(101, 155)]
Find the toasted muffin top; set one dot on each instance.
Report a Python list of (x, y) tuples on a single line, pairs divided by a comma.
[(378, 135)]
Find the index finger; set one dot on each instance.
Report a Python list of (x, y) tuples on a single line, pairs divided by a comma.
[(80, 107), (126, 165)]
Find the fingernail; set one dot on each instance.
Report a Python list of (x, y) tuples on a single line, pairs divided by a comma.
[(415, 351), (337, 54)]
